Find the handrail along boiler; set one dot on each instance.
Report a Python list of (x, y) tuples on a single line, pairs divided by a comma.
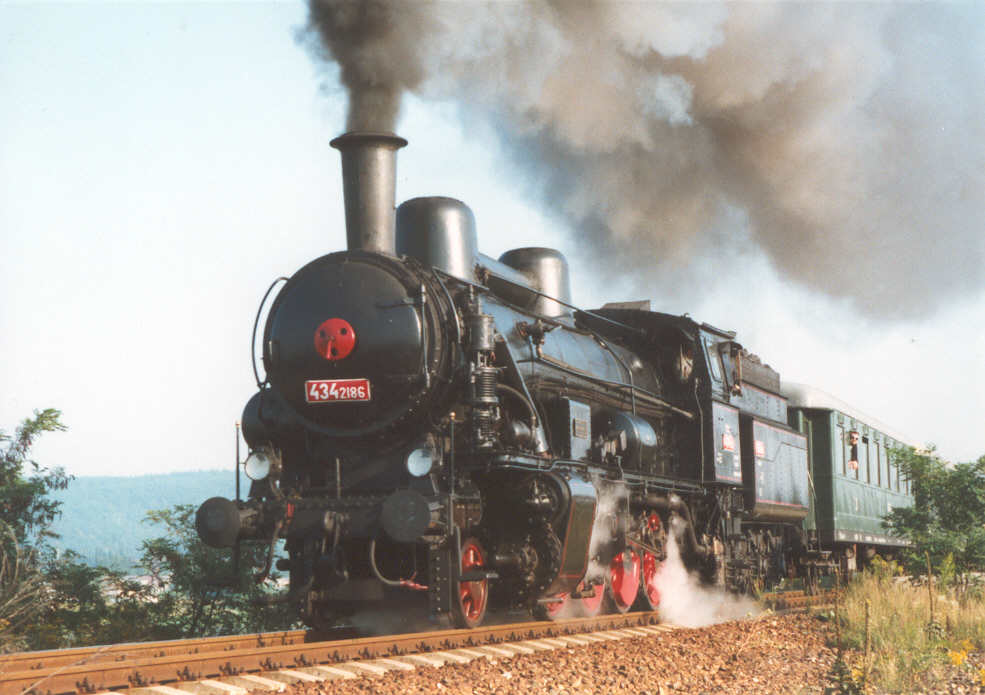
[(434, 421)]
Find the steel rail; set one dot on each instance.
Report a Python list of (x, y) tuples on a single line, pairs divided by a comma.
[(116, 667), (794, 600), (22, 661), (179, 663)]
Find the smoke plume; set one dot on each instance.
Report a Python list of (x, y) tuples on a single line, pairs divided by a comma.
[(376, 47), (841, 141)]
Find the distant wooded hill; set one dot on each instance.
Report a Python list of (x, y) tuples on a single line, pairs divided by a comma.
[(103, 518)]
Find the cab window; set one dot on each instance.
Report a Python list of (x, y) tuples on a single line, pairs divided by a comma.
[(714, 364), (732, 367)]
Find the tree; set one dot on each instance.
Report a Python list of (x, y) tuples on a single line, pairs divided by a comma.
[(200, 591), (90, 606), (26, 508), (48, 602), (947, 518), (21, 591), (26, 513)]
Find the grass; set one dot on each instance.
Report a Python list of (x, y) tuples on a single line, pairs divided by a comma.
[(895, 636)]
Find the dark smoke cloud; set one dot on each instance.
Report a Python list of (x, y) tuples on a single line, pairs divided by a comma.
[(377, 48), (843, 141)]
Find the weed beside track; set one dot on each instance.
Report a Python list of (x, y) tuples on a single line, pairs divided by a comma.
[(902, 637)]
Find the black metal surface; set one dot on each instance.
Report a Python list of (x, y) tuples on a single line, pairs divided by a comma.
[(400, 345), (774, 472), (577, 534), (555, 438)]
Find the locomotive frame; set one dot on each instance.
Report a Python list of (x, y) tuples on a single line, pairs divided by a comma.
[(435, 422)]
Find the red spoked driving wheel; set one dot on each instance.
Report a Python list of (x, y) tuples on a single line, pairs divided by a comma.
[(649, 593), (590, 604), (624, 580), (555, 609), (473, 597)]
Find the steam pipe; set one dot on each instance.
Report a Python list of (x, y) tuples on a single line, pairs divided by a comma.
[(369, 185), (673, 503), (262, 576)]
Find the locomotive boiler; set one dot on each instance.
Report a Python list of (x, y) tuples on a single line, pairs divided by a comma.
[(435, 423)]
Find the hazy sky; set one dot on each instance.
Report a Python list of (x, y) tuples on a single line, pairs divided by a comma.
[(162, 163)]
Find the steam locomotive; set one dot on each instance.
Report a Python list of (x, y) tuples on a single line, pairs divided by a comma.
[(436, 423)]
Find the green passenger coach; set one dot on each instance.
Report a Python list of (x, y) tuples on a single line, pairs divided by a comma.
[(854, 477)]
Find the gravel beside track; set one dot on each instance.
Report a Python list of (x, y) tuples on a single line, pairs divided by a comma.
[(772, 654)]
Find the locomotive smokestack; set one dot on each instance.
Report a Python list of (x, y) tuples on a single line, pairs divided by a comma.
[(369, 182)]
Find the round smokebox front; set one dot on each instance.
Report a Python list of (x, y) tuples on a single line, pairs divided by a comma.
[(344, 344)]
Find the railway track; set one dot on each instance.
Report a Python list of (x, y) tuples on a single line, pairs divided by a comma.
[(796, 600), (234, 665)]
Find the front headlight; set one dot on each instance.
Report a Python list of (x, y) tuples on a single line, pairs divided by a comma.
[(419, 462), (260, 465)]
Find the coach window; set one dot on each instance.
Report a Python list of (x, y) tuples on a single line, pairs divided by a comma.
[(889, 467), (839, 448), (863, 451), (878, 463), (895, 468), (902, 482), (853, 454), (868, 459)]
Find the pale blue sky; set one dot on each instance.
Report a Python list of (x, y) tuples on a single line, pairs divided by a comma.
[(162, 163)]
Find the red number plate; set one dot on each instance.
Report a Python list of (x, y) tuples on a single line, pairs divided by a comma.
[(336, 390)]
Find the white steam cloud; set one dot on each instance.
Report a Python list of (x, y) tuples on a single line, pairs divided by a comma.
[(686, 602), (841, 140)]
